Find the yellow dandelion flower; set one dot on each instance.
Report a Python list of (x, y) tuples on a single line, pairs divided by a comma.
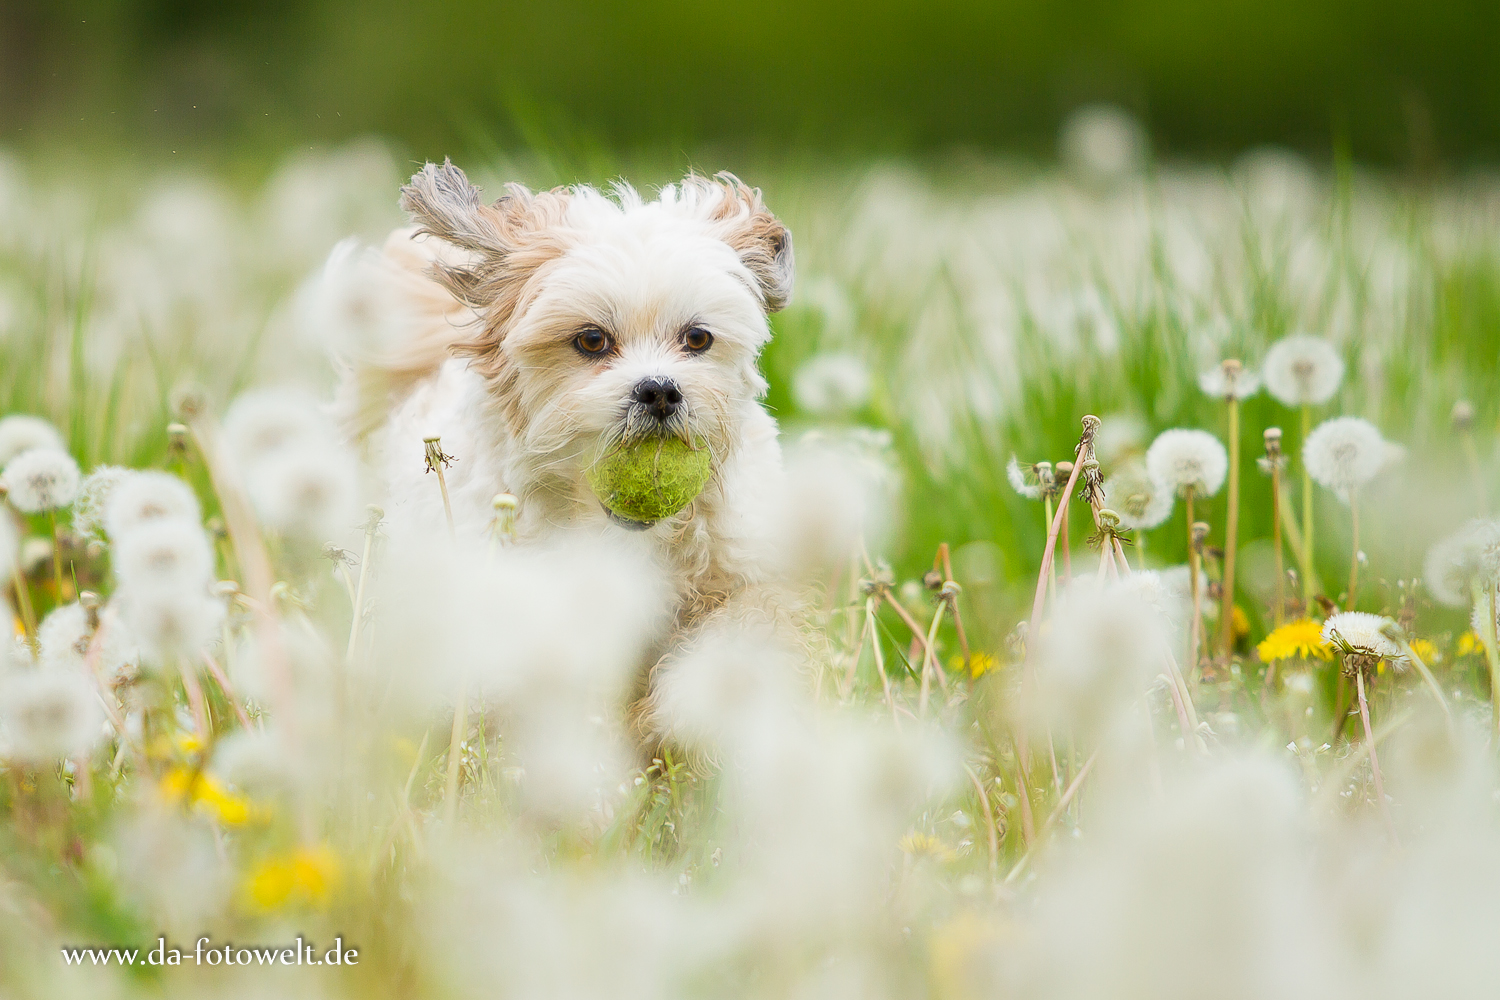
[(307, 876), (1302, 638), (1426, 651), (1241, 623), (919, 844), (979, 664), (206, 794), (1469, 644)]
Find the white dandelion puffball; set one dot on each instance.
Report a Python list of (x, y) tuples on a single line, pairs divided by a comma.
[(48, 714), (20, 432), (1021, 481), (169, 624), (93, 499), (1103, 141), (1364, 632), (41, 479), (1455, 563), (832, 385), (143, 497), (266, 421), (354, 306), (1231, 382), (10, 547), (1301, 370), (65, 636), (308, 492), (1344, 453), (1141, 501), (1185, 460), (165, 555)]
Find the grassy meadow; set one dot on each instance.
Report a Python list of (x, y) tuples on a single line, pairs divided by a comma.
[(941, 794)]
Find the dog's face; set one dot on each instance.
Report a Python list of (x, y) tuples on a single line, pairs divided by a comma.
[(607, 320)]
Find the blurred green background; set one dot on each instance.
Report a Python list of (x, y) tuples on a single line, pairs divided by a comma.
[(1403, 84)]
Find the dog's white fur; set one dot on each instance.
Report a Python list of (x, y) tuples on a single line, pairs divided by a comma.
[(493, 298)]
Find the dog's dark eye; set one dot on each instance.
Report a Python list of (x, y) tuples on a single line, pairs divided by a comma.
[(592, 342), (697, 340)]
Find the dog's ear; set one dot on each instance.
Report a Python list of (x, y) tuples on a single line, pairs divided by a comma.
[(763, 243), (507, 240)]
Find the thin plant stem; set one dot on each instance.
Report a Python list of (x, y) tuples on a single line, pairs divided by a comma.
[(23, 604), (1195, 570), (1057, 812), (989, 820), (1309, 588), (1429, 680), (455, 756), (359, 591), (1067, 552), (1051, 570), (196, 700), (1278, 613), (1491, 655), (929, 660), (1364, 717), (1231, 529), (1354, 547), (220, 678), (885, 682), (57, 570)]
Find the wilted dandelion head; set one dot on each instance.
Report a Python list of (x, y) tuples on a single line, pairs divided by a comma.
[(93, 500), (1301, 370), (307, 492), (1363, 633), (170, 624), (41, 479), (1454, 564), (45, 715), (140, 498), (1344, 453), (263, 422), (20, 432), (1183, 460), (1139, 500), (167, 555), (832, 384), (1025, 481), (1229, 380)]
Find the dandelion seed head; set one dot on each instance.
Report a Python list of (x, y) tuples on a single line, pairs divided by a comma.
[(837, 490), (92, 501), (832, 384), (734, 686), (307, 492), (1103, 142), (140, 498), (165, 554), (264, 422), (1364, 632), (1183, 460), (1344, 453), (20, 432), (49, 714), (1455, 563), (170, 624), (1302, 370), (1020, 482), (1141, 501), (1229, 381), (41, 479)]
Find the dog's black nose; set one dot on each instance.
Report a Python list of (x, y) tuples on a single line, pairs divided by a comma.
[(660, 396)]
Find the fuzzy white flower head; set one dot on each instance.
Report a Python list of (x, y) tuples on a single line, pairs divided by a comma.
[(1103, 141), (46, 715), (93, 499), (733, 688), (1301, 370), (308, 492), (1344, 453), (1364, 633), (1455, 563), (165, 555), (168, 623), (1229, 380), (1141, 501), (41, 479), (266, 421), (833, 384), (1183, 460), (66, 636), (144, 497), (20, 432), (1023, 480), (354, 306)]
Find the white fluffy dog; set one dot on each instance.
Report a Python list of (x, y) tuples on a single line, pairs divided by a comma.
[(539, 329)]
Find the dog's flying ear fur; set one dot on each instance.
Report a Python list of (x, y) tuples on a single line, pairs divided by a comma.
[(763, 243)]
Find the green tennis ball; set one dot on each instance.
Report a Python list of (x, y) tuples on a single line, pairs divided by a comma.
[(650, 479)]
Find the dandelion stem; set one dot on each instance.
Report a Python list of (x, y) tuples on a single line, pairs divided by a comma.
[(1051, 570), (989, 820), (1354, 554), (455, 756), (436, 462), (1231, 529), (57, 570), (1364, 717), (1278, 613), (1309, 587), (885, 682), (371, 526), (1491, 655), (220, 678), (1429, 680), (23, 604), (196, 701), (1195, 570), (928, 658)]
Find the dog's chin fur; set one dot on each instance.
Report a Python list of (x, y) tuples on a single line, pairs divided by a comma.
[(496, 295)]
